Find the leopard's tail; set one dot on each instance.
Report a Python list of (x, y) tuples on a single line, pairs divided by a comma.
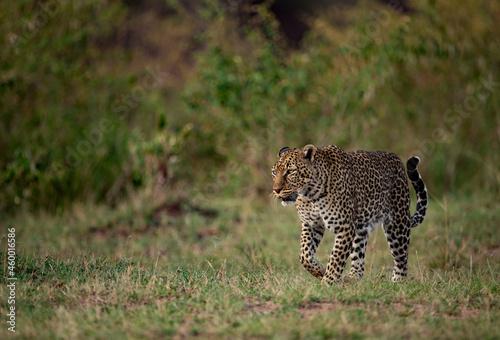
[(420, 189)]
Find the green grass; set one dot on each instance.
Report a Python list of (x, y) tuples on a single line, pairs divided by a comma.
[(135, 272)]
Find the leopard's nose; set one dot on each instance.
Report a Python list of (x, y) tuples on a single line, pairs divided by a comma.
[(277, 190)]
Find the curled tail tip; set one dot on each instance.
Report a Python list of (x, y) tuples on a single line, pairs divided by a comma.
[(420, 189), (412, 163)]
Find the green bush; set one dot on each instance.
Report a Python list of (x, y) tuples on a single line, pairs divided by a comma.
[(79, 124), (70, 104), (392, 82)]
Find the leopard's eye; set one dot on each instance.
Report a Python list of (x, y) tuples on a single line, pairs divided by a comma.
[(290, 171), (274, 172)]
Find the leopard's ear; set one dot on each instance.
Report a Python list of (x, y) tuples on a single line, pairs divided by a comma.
[(283, 150), (309, 151)]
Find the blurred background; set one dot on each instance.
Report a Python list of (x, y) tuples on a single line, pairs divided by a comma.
[(177, 103), (137, 138)]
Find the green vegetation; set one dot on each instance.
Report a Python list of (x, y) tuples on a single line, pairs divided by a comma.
[(78, 100), (137, 142), (95, 273)]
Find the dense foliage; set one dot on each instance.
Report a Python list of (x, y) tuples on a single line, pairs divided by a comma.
[(79, 124)]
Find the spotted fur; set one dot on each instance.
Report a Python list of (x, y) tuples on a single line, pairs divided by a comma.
[(349, 194)]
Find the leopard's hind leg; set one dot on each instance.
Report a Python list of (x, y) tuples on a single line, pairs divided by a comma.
[(397, 233)]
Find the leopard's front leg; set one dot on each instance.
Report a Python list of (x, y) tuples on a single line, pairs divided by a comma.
[(309, 240), (340, 253)]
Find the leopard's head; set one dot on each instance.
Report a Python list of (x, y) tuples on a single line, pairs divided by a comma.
[(292, 172)]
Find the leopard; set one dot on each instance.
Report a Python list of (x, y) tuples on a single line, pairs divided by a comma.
[(349, 194)]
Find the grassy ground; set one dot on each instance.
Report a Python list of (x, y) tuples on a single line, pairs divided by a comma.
[(181, 271)]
